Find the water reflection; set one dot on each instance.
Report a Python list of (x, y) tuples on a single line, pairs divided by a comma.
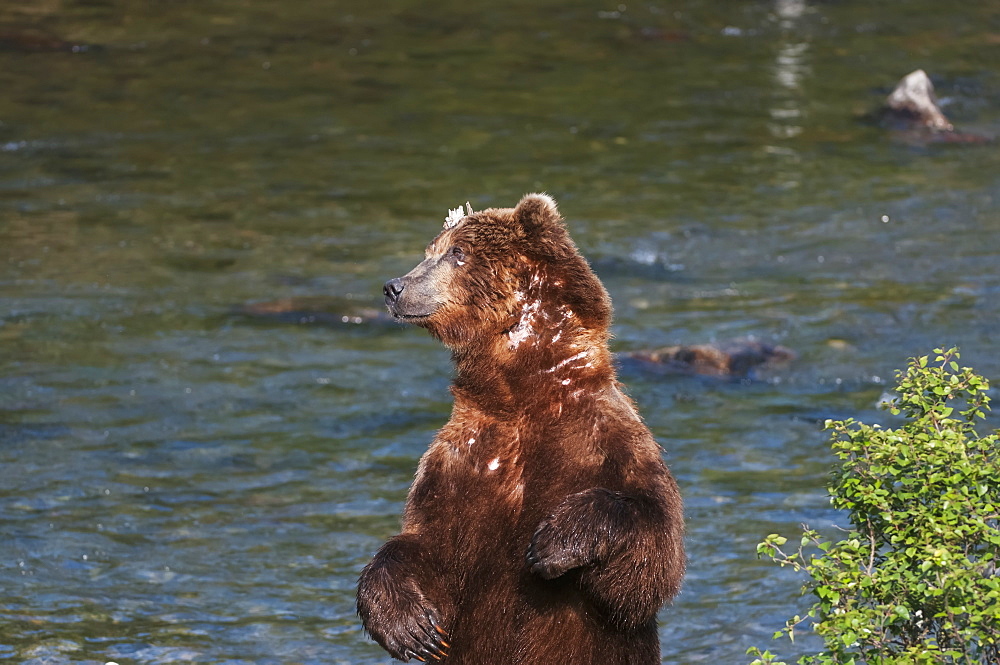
[(787, 111)]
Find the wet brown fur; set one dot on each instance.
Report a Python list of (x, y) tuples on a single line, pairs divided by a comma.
[(542, 526)]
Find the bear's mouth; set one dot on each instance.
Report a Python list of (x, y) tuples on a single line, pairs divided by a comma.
[(406, 316), (409, 311)]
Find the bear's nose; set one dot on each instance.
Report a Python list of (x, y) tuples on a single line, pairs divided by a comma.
[(392, 289)]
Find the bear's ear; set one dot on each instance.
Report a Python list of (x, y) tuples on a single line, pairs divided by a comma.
[(535, 211)]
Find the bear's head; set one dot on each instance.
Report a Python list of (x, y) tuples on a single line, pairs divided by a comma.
[(504, 282)]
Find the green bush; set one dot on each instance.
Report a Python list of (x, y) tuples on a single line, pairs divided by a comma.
[(915, 579)]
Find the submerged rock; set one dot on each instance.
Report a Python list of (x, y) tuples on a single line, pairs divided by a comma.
[(735, 359)]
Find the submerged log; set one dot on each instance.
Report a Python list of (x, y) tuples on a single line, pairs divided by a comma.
[(316, 310), (735, 359), (32, 41)]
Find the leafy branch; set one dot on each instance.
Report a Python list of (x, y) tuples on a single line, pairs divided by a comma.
[(914, 582)]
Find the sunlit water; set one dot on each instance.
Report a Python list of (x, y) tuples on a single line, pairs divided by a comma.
[(182, 482)]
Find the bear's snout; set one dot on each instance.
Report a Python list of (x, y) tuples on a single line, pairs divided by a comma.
[(416, 295), (392, 289)]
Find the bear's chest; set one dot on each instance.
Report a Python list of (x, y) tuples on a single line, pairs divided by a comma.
[(498, 477), (482, 467)]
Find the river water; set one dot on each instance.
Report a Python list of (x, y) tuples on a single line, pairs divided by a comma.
[(181, 481)]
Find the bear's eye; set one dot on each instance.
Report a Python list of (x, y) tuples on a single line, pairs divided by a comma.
[(457, 253)]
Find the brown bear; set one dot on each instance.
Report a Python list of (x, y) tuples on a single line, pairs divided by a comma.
[(542, 526)]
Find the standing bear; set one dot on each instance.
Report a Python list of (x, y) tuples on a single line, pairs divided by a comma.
[(542, 526)]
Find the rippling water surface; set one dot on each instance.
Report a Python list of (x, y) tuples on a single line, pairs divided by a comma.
[(188, 478)]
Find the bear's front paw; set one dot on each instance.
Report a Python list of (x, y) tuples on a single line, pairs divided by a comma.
[(402, 621), (552, 551)]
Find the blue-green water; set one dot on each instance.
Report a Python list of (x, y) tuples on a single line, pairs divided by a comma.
[(183, 482)]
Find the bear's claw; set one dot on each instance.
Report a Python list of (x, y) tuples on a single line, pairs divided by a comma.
[(399, 618), (424, 643)]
